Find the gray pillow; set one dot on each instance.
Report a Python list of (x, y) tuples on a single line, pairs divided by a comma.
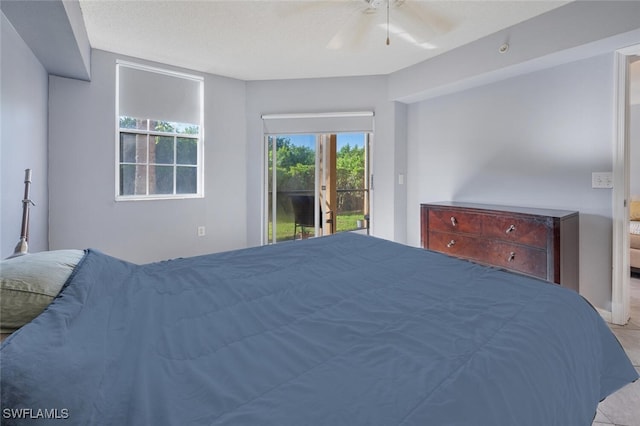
[(29, 283)]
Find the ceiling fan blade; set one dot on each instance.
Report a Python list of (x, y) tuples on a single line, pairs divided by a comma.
[(416, 22), (354, 31)]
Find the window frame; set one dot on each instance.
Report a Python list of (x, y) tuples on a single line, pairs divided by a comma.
[(199, 166)]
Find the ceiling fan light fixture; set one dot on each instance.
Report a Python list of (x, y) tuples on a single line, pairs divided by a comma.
[(375, 4)]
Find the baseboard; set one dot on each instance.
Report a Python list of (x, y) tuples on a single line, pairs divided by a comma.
[(606, 315)]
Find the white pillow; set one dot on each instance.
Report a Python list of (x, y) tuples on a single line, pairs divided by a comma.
[(30, 282)]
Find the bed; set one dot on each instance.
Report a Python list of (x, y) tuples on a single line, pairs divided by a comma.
[(340, 330)]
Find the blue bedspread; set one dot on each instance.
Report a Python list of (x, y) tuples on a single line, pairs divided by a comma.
[(342, 330)]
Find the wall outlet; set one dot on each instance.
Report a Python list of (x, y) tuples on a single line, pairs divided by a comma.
[(602, 180), (201, 231)]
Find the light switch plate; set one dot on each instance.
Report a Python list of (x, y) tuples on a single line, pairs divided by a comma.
[(602, 180)]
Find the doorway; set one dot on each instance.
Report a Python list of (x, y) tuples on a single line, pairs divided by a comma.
[(620, 292), (317, 184)]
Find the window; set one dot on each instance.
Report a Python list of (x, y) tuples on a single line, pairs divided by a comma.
[(158, 157), (159, 146)]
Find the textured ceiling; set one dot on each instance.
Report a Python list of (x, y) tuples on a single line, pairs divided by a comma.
[(258, 40)]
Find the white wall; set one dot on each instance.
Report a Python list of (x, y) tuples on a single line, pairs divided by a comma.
[(82, 175), (24, 141), (577, 30), (531, 140), (329, 95)]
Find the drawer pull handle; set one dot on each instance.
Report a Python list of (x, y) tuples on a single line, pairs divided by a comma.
[(454, 221), (511, 257), (510, 229), (451, 243)]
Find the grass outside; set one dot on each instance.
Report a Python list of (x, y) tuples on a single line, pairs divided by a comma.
[(345, 222)]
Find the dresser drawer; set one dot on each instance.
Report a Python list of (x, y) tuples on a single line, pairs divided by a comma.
[(529, 231), (528, 260), (456, 244), (525, 259), (455, 221)]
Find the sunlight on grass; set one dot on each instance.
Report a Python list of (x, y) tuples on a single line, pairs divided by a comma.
[(345, 222)]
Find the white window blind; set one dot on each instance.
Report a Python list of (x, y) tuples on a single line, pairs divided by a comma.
[(333, 122), (159, 95)]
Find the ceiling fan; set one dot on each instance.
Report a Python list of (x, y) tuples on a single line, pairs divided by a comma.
[(407, 20)]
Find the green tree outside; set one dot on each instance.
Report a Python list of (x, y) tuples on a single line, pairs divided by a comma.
[(295, 171)]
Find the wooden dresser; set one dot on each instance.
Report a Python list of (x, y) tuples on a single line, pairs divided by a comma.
[(539, 242)]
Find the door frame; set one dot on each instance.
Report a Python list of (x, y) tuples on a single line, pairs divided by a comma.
[(620, 280)]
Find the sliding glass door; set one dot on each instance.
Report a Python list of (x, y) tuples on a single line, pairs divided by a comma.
[(352, 181), (317, 184), (291, 178)]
